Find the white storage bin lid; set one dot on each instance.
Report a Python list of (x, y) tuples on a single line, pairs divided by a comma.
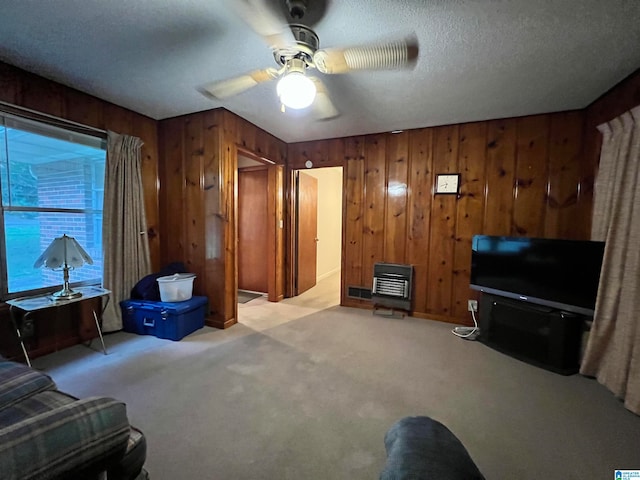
[(176, 288), (175, 277)]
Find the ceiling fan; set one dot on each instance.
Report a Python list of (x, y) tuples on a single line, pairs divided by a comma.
[(296, 50)]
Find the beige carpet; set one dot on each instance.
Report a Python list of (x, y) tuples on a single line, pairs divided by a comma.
[(305, 390)]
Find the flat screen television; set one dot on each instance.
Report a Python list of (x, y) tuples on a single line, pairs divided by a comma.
[(561, 274)]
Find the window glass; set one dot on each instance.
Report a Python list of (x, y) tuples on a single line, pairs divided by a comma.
[(52, 184), (4, 178)]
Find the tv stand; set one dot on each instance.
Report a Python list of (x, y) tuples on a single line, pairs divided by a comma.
[(543, 336)]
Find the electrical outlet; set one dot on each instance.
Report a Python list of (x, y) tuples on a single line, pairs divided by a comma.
[(472, 305)]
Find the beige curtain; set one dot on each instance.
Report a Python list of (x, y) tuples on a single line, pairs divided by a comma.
[(124, 226), (612, 354)]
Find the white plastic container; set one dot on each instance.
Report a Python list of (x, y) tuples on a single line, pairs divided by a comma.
[(177, 287)]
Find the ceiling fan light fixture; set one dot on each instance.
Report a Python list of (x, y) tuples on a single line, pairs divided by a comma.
[(296, 90)]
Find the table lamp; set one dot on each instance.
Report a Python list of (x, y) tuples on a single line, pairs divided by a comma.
[(66, 253)]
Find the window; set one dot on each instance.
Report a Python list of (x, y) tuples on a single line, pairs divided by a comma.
[(51, 183)]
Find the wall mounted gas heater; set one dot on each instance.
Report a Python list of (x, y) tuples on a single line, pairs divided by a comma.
[(392, 286)]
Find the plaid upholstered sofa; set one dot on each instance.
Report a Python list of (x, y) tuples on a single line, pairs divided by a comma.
[(48, 434)]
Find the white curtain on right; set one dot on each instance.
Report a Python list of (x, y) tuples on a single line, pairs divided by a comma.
[(612, 354)]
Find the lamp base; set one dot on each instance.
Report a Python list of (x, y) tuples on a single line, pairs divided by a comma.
[(65, 294)]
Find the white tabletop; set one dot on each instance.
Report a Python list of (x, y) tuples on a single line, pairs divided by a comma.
[(38, 302)]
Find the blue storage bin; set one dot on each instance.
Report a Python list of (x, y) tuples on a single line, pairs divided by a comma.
[(169, 320)]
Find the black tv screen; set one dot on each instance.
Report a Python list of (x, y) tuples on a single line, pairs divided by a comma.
[(562, 274)]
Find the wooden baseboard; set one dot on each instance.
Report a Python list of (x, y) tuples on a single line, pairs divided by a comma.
[(221, 324)]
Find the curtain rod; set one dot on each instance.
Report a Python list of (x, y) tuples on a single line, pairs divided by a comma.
[(50, 119)]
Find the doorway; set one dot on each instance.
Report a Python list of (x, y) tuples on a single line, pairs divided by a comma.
[(318, 245), (253, 255), (259, 234)]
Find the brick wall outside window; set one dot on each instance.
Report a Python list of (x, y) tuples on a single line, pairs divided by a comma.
[(69, 189)]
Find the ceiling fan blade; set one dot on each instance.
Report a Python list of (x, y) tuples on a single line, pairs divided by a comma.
[(385, 56), (323, 108), (266, 22), (233, 86)]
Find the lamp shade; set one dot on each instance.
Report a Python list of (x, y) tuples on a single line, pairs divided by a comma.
[(296, 90), (63, 252)]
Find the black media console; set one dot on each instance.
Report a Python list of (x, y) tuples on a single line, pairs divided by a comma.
[(543, 336)]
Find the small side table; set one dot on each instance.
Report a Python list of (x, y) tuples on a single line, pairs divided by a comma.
[(28, 305)]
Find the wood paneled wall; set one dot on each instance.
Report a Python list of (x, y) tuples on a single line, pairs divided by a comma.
[(520, 177), (198, 174), (530, 176), (622, 97), (24, 89)]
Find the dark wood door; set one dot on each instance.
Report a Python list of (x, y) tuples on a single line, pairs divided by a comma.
[(307, 232), (253, 230)]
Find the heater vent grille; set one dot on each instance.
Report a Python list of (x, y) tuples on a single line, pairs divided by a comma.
[(359, 292), (392, 285)]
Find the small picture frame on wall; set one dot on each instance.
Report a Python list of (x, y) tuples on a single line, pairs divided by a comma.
[(447, 183)]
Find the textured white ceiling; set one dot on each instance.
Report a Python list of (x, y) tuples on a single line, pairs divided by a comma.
[(479, 59)]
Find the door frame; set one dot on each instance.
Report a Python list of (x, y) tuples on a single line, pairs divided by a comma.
[(275, 233), (296, 233), (290, 239)]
